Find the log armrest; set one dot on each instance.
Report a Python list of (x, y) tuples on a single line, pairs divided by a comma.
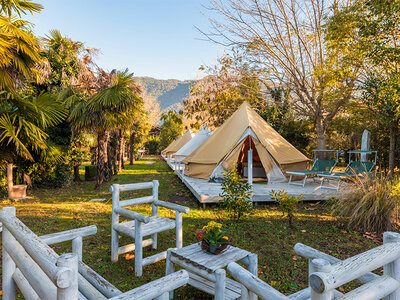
[(254, 284), (157, 287), (132, 214), (68, 235), (173, 206)]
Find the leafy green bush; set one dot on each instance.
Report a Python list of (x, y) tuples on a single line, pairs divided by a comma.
[(372, 205), (47, 175), (236, 195), (287, 203), (153, 145), (3, 183), (90, 172)]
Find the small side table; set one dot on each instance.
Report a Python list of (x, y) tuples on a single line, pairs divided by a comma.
[(206, 271)]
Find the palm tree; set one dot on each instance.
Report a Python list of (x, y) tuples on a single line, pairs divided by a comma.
[(23, 120), (19, 48), (8, 7), (107, 110)]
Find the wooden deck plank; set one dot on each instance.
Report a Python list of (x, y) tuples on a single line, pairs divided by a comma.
[(208, 192)]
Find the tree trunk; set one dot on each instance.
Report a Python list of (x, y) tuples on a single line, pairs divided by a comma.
[(392, 147), (131, 147), (321, 131), (115, 153), (102, 162), (77, 177), (121, 151), (109, 173)]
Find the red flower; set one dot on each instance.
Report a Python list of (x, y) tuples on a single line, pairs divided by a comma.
[(199, 235)]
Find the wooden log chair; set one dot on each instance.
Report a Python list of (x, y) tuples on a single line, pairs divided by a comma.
[(30, 265), (142, 225), (327, 273)]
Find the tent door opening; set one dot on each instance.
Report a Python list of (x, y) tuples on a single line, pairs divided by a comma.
[(258, 169)]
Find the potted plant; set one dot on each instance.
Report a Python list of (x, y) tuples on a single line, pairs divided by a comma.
[(213, 239)]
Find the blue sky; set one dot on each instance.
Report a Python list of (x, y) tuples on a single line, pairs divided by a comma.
[(155, 38)]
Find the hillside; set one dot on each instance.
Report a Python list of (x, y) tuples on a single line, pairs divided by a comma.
[(169, 93)]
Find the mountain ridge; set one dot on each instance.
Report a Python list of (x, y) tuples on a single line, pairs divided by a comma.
[(170, 93)]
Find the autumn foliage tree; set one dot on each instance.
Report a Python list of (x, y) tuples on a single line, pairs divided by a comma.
[(285, 41)]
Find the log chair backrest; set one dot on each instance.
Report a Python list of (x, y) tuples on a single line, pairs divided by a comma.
[(115, 189)]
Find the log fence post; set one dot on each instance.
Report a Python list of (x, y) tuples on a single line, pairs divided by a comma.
[(67, 288), (77, 246), (220, 276), (114, 221), (320, 265), (138, 249), (7, 262), (169, 269), (392, 269), (154, 211)]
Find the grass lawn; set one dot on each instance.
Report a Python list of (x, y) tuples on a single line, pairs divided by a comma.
[(264, 232)]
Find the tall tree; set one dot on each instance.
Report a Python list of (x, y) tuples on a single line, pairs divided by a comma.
[(107, 110), (370, 30), (171, 128), (285, 40)]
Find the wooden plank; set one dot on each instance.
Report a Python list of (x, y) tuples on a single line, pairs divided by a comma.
[(156, 224), (194, 255)]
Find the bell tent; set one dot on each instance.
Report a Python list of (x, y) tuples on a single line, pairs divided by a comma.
[(178, 143), (229, 145), (193, 144)]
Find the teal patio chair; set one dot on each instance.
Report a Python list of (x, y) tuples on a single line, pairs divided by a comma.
[(353, 169), (320, 166)]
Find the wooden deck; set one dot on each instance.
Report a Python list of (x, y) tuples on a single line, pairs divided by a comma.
[(208, 192)]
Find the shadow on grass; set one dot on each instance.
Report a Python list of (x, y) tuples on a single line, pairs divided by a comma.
[(265, 232)]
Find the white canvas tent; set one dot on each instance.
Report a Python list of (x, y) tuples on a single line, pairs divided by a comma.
[(193, 144), (229, 145)]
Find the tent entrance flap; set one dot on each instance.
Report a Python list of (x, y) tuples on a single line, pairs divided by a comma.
[(262, 161), (258, 168)]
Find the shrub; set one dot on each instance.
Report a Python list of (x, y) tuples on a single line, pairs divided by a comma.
[(152, 145), (3, 183), (287, 203), (372, 205), (236, 195), (90, 172)]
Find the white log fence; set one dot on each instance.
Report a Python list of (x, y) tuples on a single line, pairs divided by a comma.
[(327, 273), (142, 225), (40, 273)]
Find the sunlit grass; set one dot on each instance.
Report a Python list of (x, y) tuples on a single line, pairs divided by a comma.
[(264, 232)]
